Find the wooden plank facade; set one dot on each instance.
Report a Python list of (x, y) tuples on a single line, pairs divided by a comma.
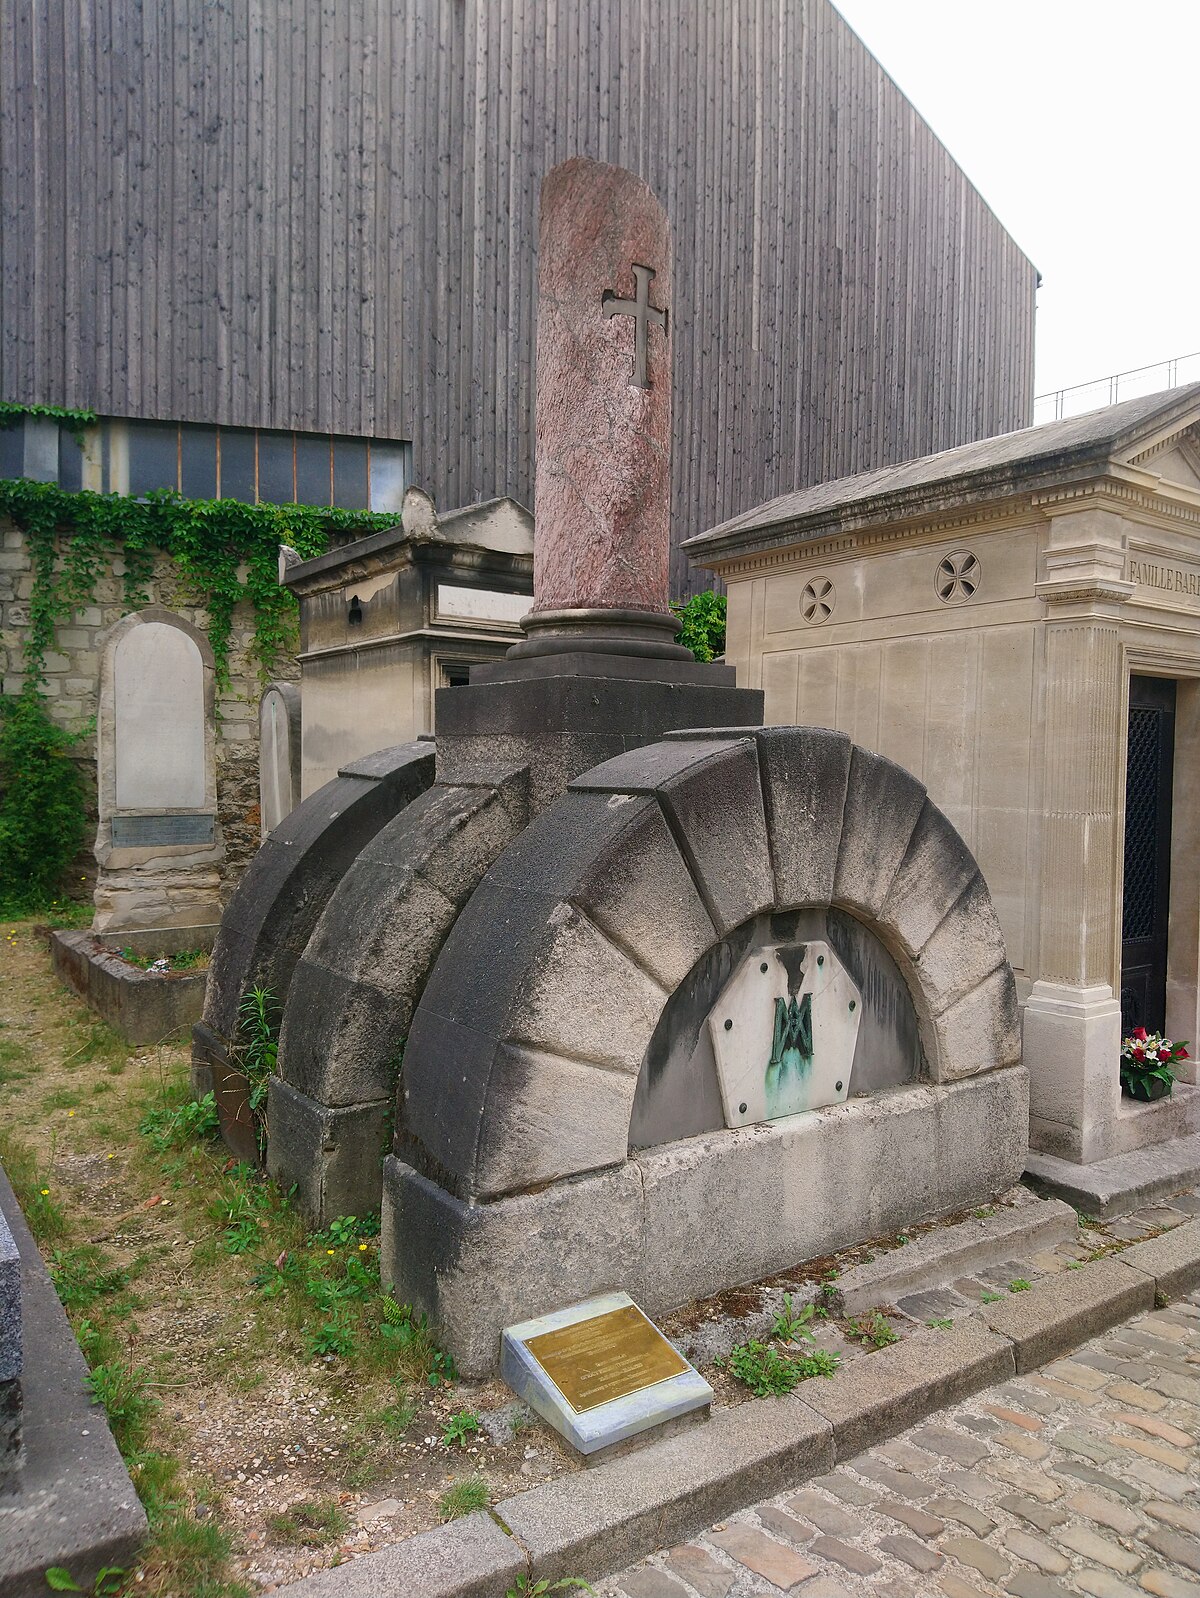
[(322, 216)]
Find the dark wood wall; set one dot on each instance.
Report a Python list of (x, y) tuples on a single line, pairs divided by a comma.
[(321, 214)]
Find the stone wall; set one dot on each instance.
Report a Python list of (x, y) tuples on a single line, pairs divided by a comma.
[(73, 679)]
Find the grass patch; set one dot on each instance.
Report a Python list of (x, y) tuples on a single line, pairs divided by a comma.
[(767, 1372), (310, 1524), (463, 1497)]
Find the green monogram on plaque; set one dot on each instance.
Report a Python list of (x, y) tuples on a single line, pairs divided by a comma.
[(791, 1051)]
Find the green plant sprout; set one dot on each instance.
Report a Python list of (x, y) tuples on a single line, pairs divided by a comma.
[(789, 1325), (1019, 1285), (459, 1428)]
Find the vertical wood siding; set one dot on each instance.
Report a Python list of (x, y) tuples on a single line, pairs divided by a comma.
[(322, 214)]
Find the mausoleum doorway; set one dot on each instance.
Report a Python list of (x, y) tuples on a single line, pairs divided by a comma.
[(1145, 902)]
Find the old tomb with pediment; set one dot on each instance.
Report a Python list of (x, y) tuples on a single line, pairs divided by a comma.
[(642, 999), (1018, 621)]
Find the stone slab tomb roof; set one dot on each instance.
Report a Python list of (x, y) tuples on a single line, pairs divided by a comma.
[(993, 468)]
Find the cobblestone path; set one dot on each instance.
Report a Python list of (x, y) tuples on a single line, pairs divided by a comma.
[(1080, 1478)]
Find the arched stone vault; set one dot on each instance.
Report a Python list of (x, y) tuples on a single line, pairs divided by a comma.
[(525, 1050)]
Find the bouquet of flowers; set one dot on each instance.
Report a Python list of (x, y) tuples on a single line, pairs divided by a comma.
[(1147, 1059)]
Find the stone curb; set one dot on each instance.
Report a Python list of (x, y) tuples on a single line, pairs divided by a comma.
[(595, 1521), (876, 1398), (957, 1250), (1060, 1312)]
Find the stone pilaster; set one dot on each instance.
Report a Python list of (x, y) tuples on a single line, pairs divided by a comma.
[(1072, 1018)]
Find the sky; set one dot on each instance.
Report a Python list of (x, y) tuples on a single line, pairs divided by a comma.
[(1078, 122)]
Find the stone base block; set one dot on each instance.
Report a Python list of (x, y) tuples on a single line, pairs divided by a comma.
[(694, 1218), (72, 1503), (332, 1155), (1121, 1183), (1071, 1046), (143, 1008), (12, 1454)]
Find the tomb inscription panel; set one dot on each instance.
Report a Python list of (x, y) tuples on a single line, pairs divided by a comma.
[(600, 1372), (784, 1032)]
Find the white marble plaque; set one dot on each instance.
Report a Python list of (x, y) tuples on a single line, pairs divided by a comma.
[(784, 1031), (480, 604), (278, 754), (158, 714)]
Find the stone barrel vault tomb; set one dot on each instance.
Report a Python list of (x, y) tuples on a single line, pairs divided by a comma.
[(574, 1106)]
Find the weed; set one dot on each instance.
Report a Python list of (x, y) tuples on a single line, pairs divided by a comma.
[(526, 1587), (108, 1580), (873, 1331), (766, 1371), (459, 1427), (1019, 1285), (983, 1213), (172, 1126), (121, 1388), (990, 1298), (941, 1323), (789, 1326), (311, 1524), (80, 1276), (334, 1337), (464, 1496), (1074, 1265)]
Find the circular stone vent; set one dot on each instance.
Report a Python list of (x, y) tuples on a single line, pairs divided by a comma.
[(817, 600), (957, 577)]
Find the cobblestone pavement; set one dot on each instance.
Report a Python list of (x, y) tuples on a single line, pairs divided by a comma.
[(1081, 1478)]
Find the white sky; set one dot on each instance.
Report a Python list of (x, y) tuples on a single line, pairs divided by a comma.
[(1079, 123)]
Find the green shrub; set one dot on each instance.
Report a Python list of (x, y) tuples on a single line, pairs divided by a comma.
[(41, 805), (702, 625)]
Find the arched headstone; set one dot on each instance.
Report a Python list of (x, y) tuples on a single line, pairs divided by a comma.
[(159, 845), (278, 754)]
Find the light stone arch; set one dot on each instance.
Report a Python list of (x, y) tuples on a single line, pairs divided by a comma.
[(525, 1050)]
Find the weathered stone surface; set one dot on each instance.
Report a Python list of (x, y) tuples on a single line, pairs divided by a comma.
[(10, 1305), (74, 1504), (937, 866), (804, 772), (476, 1268), (979, 1032), (1172, 1259), (1060, 1311), (142, 1007), (330, 1155), (875, 1398), (771, 1560), (469, 1558), (966, 947), (584, 1525), (278, 754), (603, 393), (364, 967), (1010, 1232), (276, 905), (882, 806)]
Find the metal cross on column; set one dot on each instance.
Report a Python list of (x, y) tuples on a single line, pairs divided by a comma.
[(643, 314)]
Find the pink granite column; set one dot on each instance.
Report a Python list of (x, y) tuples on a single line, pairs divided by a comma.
[(603, 490)]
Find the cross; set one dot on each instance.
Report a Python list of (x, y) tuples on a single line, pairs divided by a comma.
[(643, 314)]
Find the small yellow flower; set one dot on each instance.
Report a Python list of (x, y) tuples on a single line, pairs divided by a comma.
[(45, 1191), (329, 1251), (70, 1112), (112, 1156), (362, 1248)]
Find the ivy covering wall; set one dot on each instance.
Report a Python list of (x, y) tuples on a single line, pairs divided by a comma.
[(226, 551)]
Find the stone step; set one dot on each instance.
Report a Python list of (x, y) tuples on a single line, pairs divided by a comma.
[(1121, 1183), (942, 1256)]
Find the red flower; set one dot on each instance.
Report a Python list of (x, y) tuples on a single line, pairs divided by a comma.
[(1138, 1052), (1182, 1054), (1139, 1032), (1164, 1054)]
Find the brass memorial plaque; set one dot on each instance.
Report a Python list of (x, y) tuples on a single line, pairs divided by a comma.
[(606, 1357)]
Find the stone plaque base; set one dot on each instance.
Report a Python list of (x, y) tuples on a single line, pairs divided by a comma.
[(600, 1372)]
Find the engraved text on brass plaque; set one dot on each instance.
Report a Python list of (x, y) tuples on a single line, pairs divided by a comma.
[(606, 1357)]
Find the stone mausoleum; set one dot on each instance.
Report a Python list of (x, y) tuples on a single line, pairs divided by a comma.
[(1018, 622), (637, 994)]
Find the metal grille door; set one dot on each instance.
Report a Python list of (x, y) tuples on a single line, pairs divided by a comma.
[(1149, 769)]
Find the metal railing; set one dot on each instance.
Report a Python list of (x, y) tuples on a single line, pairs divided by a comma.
[(1103, 391)]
